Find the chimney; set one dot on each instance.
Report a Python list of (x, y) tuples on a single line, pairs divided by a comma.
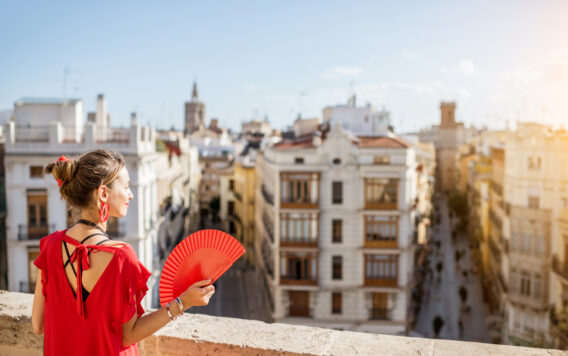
[(133, 121)]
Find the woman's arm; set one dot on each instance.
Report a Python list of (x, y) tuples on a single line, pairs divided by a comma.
[(37, 310), (137, 329)]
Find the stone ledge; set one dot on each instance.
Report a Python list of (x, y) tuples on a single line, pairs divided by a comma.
[(206, 335)]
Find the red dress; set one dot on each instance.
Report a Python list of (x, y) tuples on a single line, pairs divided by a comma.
[(94, 326)]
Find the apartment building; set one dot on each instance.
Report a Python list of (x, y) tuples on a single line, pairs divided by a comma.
[(334, 230), (524, 245), (44, 129)]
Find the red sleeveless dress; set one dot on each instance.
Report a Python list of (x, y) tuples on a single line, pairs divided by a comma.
[(73, 326)]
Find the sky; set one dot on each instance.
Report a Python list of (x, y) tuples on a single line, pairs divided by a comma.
[(500, 61)]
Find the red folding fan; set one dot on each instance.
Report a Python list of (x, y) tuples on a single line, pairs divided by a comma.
[(205, 254)]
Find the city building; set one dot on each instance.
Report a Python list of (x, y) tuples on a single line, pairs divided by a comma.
[(194, 113), (525, 244), (334, 226), (41, 131), (362, 120)]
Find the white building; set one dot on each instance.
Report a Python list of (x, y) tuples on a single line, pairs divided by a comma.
[(43, 130), (528, 230), (334, 230), (362, 120)]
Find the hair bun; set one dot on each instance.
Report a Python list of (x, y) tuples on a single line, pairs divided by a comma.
[(62, 170)]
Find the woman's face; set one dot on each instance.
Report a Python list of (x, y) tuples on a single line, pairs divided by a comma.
[(120, 195)]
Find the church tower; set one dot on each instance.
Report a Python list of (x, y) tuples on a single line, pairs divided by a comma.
[(194, 113)]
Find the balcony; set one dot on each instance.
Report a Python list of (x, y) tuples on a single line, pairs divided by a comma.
[(369, 205), (232, 336), (298, 242), (373, 241), (299, 281), (268, 198), (560, 268), (268, 225), (496, 220), (290, 203), (371, 281), (299, 268), (299, 190), (26, 232)]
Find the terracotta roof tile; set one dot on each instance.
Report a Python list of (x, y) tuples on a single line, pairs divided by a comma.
[(382, 141)]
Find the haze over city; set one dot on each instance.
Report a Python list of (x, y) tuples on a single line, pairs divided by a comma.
[(499, 61)]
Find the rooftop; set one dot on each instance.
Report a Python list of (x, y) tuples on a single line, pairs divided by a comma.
[(198, 334), (37, 100)]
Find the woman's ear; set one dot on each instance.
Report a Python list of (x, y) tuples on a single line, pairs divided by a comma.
[(102, 193)]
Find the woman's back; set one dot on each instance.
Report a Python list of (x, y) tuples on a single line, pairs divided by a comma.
[(115, 281)]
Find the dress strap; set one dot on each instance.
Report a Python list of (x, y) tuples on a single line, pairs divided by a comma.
[(88, 237), (68, 259), (81, 255)]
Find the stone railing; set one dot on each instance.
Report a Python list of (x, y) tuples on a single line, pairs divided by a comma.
[(195, 334)]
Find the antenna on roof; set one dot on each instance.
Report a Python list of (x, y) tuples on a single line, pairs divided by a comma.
[(64, 81)]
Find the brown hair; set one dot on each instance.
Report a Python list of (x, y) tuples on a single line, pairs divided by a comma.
[(81, 177)]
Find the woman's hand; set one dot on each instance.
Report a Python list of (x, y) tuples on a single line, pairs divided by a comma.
[(197, 294)]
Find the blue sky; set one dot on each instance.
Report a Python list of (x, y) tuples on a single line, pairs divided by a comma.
[(499, 60)]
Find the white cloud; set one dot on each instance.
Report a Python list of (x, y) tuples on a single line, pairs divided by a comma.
[(463, 67)]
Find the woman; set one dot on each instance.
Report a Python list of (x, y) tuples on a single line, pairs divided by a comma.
[(89, 288)]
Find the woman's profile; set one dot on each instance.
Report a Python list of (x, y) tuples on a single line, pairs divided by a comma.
[(89, 288)]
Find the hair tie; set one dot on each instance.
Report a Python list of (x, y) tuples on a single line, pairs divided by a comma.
[(64, 159)]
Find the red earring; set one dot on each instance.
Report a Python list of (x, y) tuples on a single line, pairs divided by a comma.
[(103, 212)]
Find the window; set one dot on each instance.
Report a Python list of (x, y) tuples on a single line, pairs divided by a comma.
[(381, 231), (381, 159), (533, 202), (337, 261), (533, 163), (300, 188), (230, 207), (381, 193), (299, 160), (298, 268), (337, 161), (37, 213), (525, 284), (337, 192), (232, 227), (335, 303), (337, 227), (36, 171), (513, 281), (298, 228), (381, 270), (231, 185), (537, 286)]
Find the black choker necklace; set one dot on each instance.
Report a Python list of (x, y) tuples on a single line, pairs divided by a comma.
[(91, 224)]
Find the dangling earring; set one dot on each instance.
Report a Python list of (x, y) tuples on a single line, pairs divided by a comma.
[(103, 212)]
